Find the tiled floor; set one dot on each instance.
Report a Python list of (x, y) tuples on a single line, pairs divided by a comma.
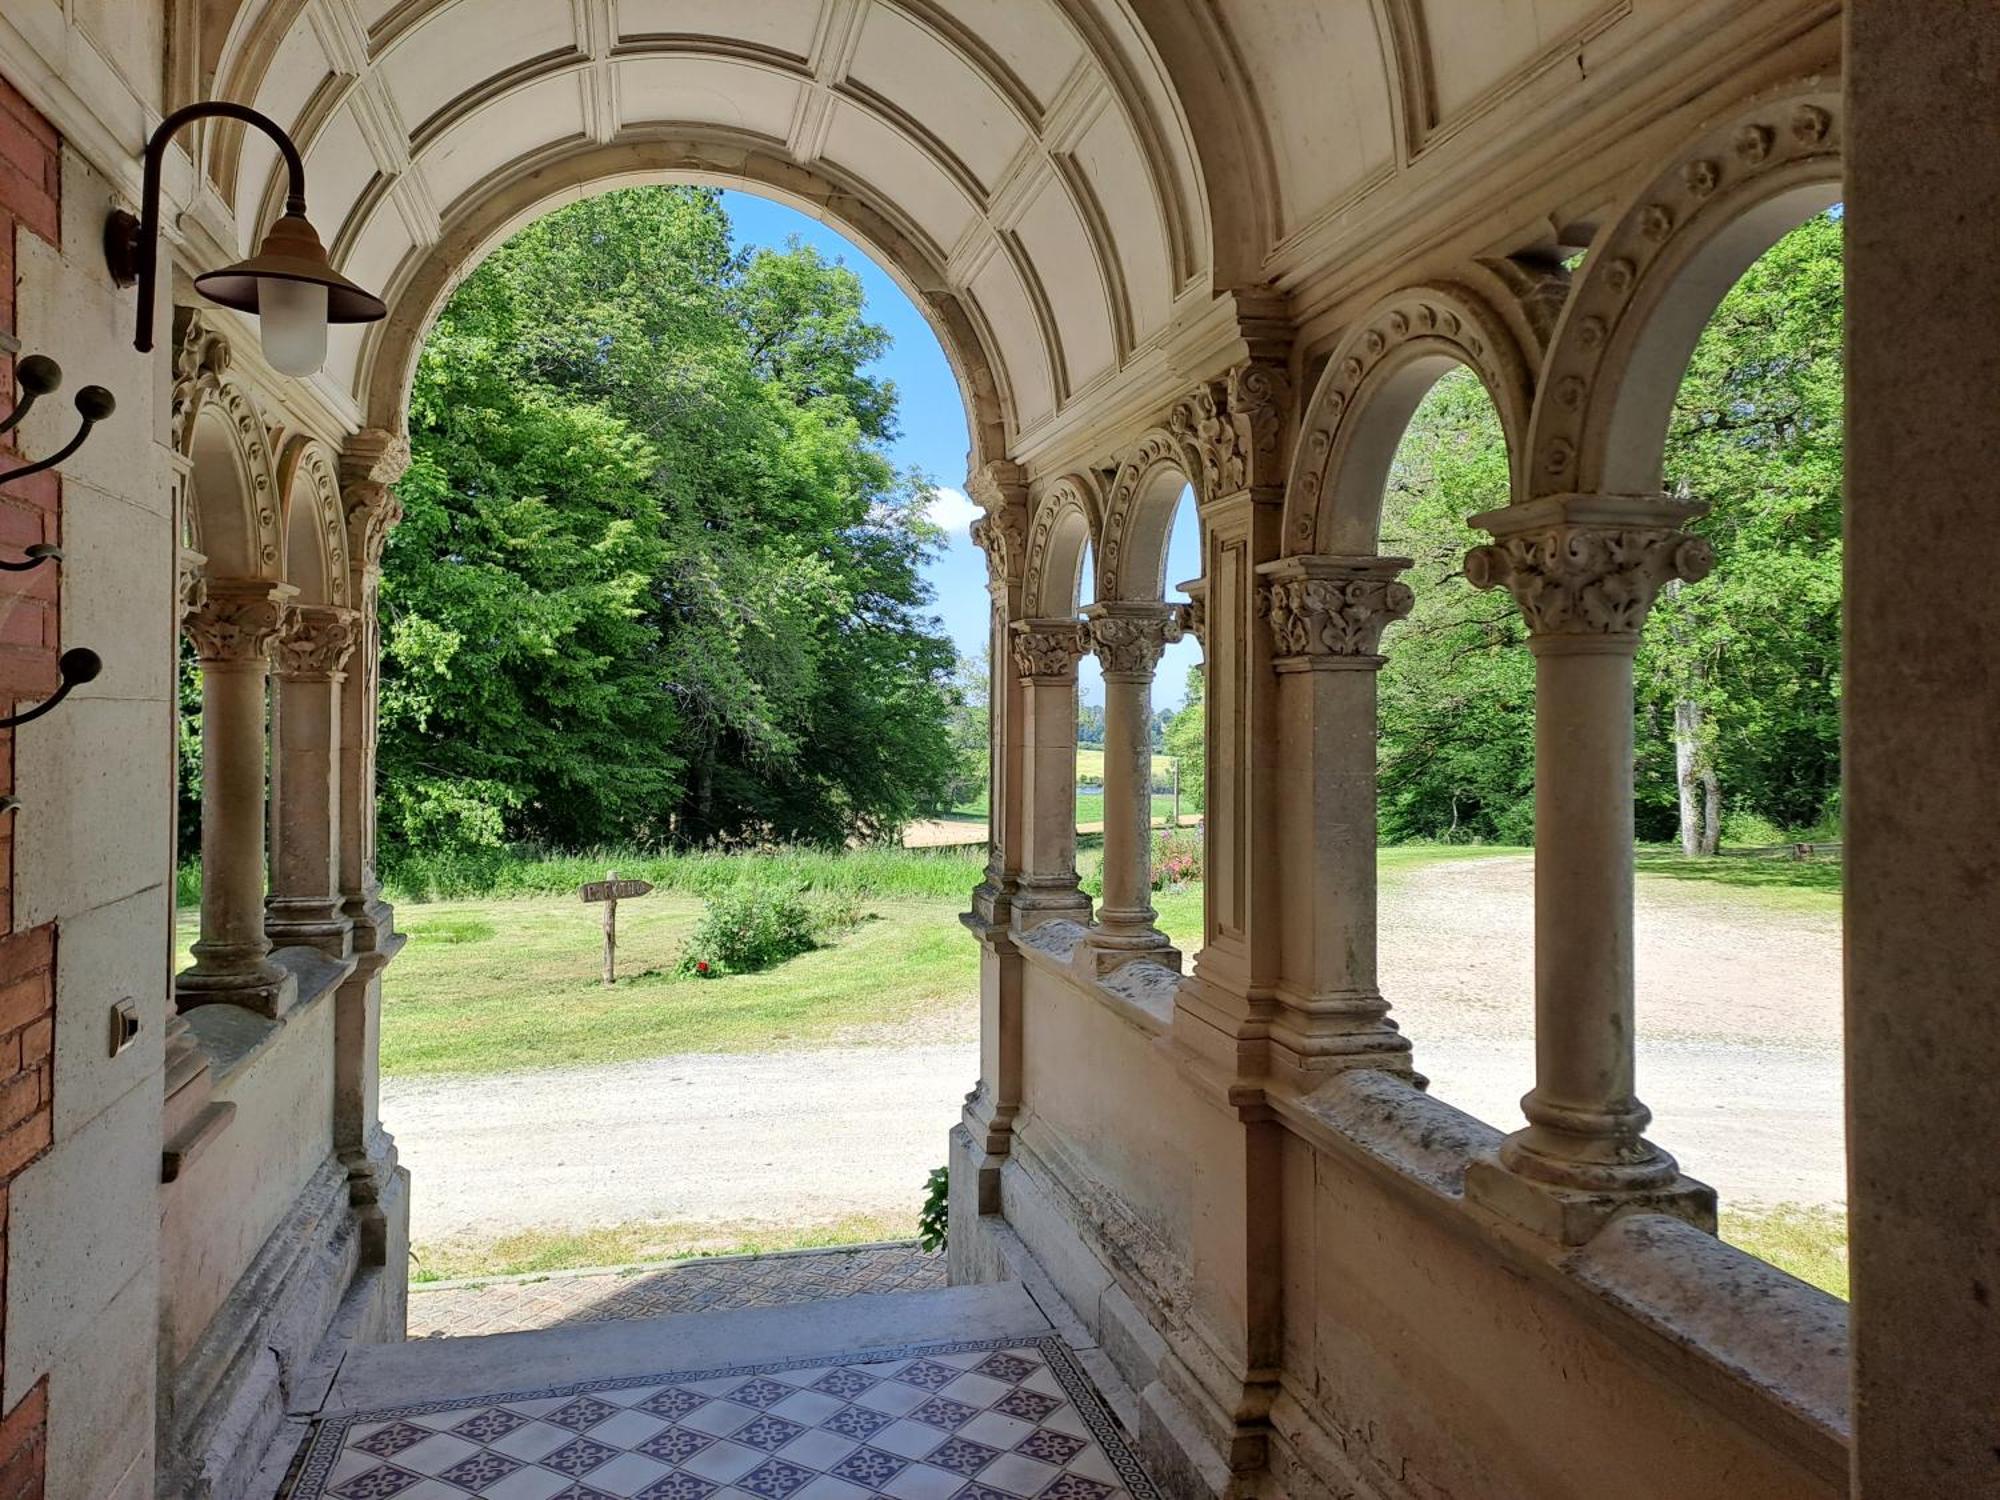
[(684, 1287), (999, 1419)]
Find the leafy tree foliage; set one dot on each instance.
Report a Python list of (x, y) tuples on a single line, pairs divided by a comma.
[(1184, 737), (1743, 668), (656, 580)]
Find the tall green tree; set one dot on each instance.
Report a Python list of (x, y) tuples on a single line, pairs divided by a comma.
[(1186, 739), (657, 579)]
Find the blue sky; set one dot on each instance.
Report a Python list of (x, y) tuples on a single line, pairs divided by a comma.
[(933, 440)]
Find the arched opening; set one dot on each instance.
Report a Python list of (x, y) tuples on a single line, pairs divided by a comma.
[(659, 607), (1739, 737)]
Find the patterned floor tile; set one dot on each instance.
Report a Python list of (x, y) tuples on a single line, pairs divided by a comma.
[(1000, 1420), (682, 1287)]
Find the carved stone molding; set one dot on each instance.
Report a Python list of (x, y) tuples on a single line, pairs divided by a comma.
[(190, 583), (1128, 638), (1589, 566), (311, 491), (316, 641), (1632, 280), (1047, 650), (1171, 448), (1194, 613), (1443, 319), (371, 461), (201, 358), (1333, 607), (203, 383), (238, 621), (1234, 428), (1000, 490), (1069, 507)]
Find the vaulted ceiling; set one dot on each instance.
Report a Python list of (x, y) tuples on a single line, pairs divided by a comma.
[(1062, 183)]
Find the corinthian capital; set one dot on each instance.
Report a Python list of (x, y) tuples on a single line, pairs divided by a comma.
[(1047, 650), (370, 462), (1129, 637), (1333, 608), (316, 641), (238, 620), (1581, 565)]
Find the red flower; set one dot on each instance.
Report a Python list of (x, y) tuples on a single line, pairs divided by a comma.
[(701, 966)]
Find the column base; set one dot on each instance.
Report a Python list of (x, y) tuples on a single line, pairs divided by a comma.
[(266, 989), (302, 922), (1101, 952), (1572, 1215), (1313, 1036), (372, 922), (1040, 899)]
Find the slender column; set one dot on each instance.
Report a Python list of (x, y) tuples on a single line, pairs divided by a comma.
[(371, 462), (1045, 655), (1327, 615), (1128, 638), (305, 901), (1584, 570), (986, 1135), (232, 633)]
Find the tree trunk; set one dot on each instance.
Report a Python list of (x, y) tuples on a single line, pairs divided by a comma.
[(1711, 796), (1690, 777)]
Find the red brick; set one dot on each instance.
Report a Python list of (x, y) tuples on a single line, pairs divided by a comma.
[(21, 146), (43, 490), (23, 1003), (24, 1143), (23, 1444), (27, 671), (12, 102), (30, 200), (38, 1040), (20, 1097), (33, 950)]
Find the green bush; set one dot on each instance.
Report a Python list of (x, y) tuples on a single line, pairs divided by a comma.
[(1748, 830), (745, 931), (934, 1218)]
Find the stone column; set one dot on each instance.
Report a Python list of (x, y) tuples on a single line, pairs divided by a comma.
[(1584, 570), (371, 462), (232, 631), (1128, 637), (1045, 654), (985, 1135), (1327, 615), (305, 903), (1922, 716)]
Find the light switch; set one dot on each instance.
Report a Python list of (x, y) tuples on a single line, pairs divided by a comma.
[(124, 1025)]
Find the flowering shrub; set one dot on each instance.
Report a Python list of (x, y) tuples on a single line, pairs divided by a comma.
[(743, 931), (1176, 858)]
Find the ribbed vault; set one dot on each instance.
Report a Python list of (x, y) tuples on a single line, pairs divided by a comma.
[(1020, 164)]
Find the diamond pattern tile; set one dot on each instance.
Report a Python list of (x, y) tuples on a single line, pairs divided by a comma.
[(975, 1421)]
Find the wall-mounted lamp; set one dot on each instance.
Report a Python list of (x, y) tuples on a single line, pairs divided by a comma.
[(290, 285)]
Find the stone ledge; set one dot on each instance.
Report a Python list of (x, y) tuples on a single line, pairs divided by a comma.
[(1144, 1000), (233, 1037), (1715, 1317)]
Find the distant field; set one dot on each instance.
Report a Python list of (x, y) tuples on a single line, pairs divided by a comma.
[(1090, 765)]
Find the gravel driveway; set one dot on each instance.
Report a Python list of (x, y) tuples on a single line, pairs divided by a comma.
[(1739, 1022)]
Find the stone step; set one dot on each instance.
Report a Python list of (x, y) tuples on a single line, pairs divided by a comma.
[(377, 1376)]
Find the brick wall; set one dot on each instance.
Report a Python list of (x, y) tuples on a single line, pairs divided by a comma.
[(31, 511)]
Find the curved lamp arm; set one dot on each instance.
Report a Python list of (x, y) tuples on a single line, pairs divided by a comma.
[(132, 245), (76, 666)]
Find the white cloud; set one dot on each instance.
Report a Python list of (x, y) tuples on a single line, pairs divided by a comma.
[(952, 510)]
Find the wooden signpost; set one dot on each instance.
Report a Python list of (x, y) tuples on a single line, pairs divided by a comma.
[(611, 890)]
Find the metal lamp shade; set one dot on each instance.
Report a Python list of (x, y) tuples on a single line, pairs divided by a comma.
[(291, 252)]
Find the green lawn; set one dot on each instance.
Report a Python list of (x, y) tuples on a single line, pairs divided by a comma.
[(1796, 885)]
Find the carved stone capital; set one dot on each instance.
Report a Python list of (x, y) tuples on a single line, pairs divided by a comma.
[(190, 583), (238, 620), (1333, 608), (1236, 427), (1128, 638), (1047, 650), (1194, 613), (1001, 491), (316, 641), (1581, 565), (372, 512)]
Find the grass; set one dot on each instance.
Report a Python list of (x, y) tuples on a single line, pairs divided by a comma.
[(528, 994), (1807, 1242), (1090, 807), (530, 1251), (1797, 885), (1090, 765)]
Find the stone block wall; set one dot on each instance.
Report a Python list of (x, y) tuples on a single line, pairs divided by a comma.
[(30, 512)]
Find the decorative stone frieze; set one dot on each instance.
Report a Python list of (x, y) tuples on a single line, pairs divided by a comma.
[(316, 641), (237, 621), (1128, 639), (1333, 607), (1048, 650), (1580, 566)]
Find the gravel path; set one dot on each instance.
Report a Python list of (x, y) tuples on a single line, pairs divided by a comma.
[(1739, 1023)]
